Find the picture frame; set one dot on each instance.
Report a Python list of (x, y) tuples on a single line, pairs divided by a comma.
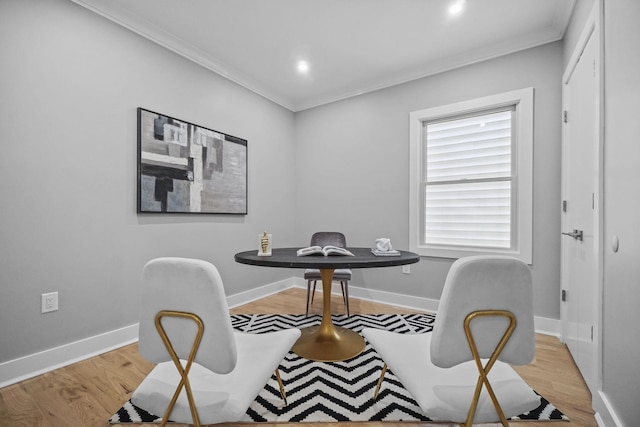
[(188, 168)]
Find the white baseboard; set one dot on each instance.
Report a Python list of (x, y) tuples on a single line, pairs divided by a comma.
[(390, 298), (543, 325), (29, 366), (261, 292), (605, 414), (547, 326), (16, 370)]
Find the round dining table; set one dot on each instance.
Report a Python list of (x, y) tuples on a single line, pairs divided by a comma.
[(327, 342)]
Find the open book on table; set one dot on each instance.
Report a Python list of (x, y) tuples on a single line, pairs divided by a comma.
[(326, 251)]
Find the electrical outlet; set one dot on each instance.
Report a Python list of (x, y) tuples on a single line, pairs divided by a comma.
[(49, 302), (406, 269)]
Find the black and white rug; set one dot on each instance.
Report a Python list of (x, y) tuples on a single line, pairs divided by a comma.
[(334, 391)]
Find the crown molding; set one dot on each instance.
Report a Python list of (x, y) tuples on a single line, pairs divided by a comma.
[(158, 35), (144, 28)]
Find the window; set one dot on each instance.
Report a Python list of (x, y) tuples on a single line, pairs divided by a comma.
[(471, 171)]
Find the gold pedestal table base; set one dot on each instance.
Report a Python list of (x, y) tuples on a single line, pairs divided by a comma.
[(327, 342), (331, 346)]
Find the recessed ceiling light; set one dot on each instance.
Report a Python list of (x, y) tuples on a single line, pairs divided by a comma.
[(456, 7), (303, 67)]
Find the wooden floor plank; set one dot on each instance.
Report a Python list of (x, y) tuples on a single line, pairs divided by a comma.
[(19, 409), (89, 392)]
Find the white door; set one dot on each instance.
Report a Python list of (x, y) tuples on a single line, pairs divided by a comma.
[(580, 211)]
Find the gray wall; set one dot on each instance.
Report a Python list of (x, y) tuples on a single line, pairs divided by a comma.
[(358, 149), (70, 84), (621, 346)]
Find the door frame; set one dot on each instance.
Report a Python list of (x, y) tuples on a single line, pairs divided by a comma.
[(593, 27)]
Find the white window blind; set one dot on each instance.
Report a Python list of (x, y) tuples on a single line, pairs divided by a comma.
[(467, 181)]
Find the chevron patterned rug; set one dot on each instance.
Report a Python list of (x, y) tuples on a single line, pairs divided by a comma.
[(335, 391)]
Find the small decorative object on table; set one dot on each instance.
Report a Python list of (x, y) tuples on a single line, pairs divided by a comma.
[(384, 248), (264, 249)]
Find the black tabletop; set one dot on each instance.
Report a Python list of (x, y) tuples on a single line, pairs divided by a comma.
[(363, 258)]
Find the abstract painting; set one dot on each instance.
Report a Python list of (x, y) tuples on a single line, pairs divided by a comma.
[(186, 168)]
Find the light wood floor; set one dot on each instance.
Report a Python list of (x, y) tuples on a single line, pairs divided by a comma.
[(89, 392)]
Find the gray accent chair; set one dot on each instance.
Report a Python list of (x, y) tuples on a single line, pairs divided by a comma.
[(343, 275)]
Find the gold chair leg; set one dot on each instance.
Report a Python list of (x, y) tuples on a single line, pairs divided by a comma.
[(384, 371), (483, 371), (183, 371), (283, 393), (194, 412)]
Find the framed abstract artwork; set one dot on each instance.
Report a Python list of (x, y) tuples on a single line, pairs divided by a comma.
[(186, 168)]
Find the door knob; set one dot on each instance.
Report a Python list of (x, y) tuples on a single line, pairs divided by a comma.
[(576, 234)]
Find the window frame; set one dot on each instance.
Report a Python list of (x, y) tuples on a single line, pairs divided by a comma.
[(522, 178)]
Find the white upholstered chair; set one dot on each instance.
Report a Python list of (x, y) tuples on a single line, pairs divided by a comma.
[(343, 275), (206, 372), (460, 372)]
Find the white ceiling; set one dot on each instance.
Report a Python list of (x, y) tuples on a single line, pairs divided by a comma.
[(352, 46)]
